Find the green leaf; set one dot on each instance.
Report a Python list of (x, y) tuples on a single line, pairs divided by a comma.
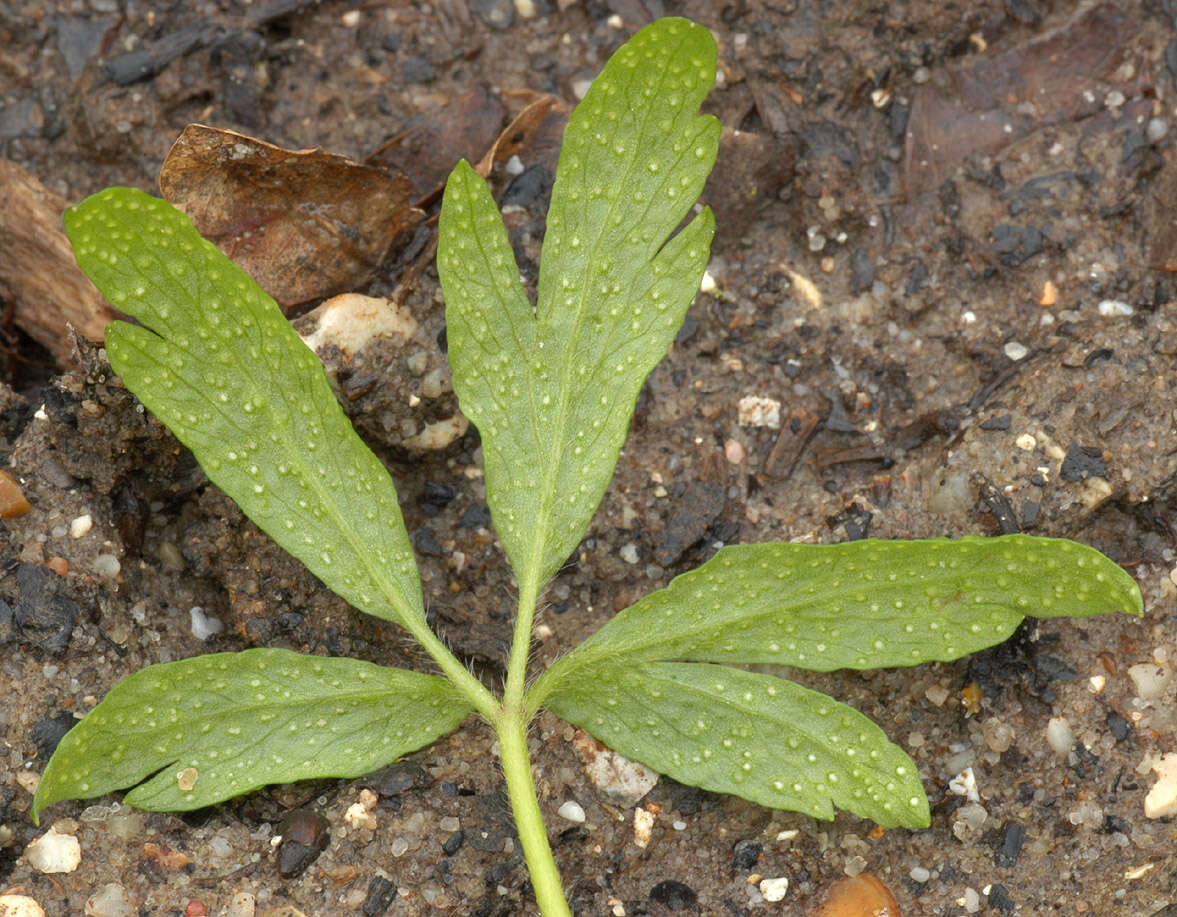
[(762, 738), (552, 393), (860, 605), (209, 728), (218, 363)]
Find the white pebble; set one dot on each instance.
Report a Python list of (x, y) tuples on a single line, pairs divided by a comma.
[(774, 889), (1016, 350), (107, 566), (965, 784), (1150, 679), (1161, 801), (1115, 308), (621, 781), (515, 165), (111, 900), (1157, 129), (643, 827), (81, 525), (937, 694), (20, 906), (204, 626), (526, 9), (1059, 735), (629, 553), (243, 905), (920, 874), (580, 88), (359, 814), (1026, 441), (758, 411), (54, 853), (572, 811)]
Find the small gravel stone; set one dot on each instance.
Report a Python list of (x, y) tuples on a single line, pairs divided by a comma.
[(305, 835), (734, 451), (1059, 735), (621, 781), (498, 14), (243, 904), (1161, 801), (759, 411), (20, 906), (1150, 679), (81, 525), (204, 626), (629, 553), (396, 778), (453, 843), (774, 889), (1114, 308), (643, 827), (54, 853), (745, 854), (1013, 836), (1016, 350), (920, 874), (572, 811), (111, 900), (107, 566), (998, 735), (381, 894)]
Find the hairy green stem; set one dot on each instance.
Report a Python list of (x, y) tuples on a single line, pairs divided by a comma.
[(545, 877), (521, 645), (463, 679)]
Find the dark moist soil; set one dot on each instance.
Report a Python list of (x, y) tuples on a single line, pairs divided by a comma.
[(906, 181)]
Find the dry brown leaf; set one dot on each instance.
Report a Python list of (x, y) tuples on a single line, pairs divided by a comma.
[(533, 135), (304, 223), (980, 114)]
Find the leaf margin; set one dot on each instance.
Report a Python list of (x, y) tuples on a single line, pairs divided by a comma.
[(148, 259), (153, 779), (616, 638), (788, 711)]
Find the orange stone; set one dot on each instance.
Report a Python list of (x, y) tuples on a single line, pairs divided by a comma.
[(13, 502), (863, 895)]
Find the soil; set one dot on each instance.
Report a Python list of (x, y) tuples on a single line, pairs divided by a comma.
[(943, 235)]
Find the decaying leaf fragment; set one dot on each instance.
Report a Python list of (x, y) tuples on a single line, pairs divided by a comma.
[(303, 223), (436, 141)]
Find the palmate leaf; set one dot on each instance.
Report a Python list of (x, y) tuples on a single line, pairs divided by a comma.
[(763, 738), (218, 363), (206, 729), (552, 392)]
